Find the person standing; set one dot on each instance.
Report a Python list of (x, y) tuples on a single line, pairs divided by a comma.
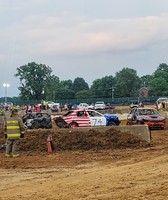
[(44, 104), (14, 130), (2, 116)]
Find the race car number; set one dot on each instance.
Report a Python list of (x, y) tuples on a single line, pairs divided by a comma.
[(98, 121)]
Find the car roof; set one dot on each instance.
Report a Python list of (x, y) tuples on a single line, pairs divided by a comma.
[(162, 99)]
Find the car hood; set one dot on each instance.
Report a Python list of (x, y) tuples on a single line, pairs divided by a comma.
[(151, 117), (111, 116)]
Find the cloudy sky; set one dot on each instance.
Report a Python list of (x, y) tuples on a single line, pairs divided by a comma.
[(82, 38)]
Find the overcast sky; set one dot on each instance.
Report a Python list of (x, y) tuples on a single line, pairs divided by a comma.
[(82, 38)]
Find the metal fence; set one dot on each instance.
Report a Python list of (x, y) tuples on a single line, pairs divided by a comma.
[(123, 101)]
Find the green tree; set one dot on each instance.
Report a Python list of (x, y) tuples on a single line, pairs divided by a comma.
[(64, 93), (33, 78), (127, 82), (83, 94), (103, 87), (144, 80), (158, 83), (158, 87), (162, 71), (52, 87), (68, 84), (79, 84)]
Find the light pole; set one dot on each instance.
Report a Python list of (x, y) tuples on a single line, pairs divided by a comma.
[(6, 85), (112, 93)]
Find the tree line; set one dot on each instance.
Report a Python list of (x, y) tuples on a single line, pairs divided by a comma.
[(37, 82)]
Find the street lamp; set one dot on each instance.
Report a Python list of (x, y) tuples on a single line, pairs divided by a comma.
[(112, 92), (6, 85)]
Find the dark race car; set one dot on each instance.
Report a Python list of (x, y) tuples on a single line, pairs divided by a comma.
[(86, 118), (149, 116), (37, 120)]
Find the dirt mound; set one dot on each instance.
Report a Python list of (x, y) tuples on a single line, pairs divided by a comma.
[(71, 139)]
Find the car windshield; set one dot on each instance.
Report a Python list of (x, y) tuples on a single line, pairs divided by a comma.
[(99, 102), (148, 112), (93, 113)]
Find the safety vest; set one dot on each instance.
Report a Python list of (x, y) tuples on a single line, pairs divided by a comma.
[(13, 129), (1, 112), (44, 103)]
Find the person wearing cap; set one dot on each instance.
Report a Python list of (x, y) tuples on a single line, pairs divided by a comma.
[(14, 130)]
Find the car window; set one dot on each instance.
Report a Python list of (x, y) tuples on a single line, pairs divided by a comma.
[(94, 113), (142, 112), (132, 111), (80, 114), (151, 112), (148, 112), (91, 113)]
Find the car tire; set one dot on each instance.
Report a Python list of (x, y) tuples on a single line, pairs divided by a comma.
[(35, 125), (73, 125), (140, 122), (128, 123), (111, 123)]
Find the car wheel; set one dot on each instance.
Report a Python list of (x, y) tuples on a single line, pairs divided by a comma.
[(111, 123), (61, 123), (35, 125), (128, 123), (73, 125), (140, 122)]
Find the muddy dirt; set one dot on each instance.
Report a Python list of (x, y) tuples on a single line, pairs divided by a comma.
[(88, 166)]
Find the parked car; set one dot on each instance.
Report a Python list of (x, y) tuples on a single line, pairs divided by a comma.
[(86, 118), (100, 105), (162, 100), (109, 106), (85, 105), (134, 104), (149, 116), (37, 120), (51, 104)]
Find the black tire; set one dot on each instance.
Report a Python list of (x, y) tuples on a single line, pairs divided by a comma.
[(61, 123), (128, 123), (47, 126), (35, 125), (140, 122), (73, 125), (112, 123)]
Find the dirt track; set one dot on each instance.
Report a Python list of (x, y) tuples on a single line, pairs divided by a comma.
[(133, 172)]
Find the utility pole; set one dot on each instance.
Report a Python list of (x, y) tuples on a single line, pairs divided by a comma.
[(112, 92)]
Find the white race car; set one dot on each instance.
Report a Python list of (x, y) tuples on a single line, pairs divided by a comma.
[(86, 118)]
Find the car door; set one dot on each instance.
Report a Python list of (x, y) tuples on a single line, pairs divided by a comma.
[(96, 118), (131, 118)]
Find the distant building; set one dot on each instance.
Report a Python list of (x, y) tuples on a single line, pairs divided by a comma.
[(143, 92)]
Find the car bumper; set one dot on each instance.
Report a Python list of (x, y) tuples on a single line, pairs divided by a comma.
[(155, 124)]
